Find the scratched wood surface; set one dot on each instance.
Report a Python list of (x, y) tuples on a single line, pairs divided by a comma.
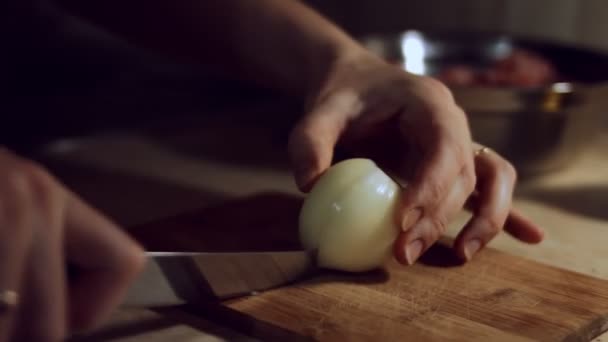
[(496, 297)]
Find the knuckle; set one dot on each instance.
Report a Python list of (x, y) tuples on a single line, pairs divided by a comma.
[(434, 191), (440, 222), (461, 155), (23, 186), (35, 173), (43, 187), (435, 86), (17, 184), (494, 226), (16, 198)]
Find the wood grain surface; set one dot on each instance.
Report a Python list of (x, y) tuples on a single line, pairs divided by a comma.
[(496, 297)]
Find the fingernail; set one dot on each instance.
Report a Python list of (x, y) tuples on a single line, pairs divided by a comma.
[(471, 248), (410, 219), (413, 251)]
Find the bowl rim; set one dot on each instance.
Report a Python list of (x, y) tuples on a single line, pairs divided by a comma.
[(517, 40)]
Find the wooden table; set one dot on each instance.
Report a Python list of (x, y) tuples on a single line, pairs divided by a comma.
[(140, 176)]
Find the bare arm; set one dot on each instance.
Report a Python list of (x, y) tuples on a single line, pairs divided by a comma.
[(276, 43)]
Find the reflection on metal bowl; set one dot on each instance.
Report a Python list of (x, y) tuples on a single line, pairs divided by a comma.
[(538, 128)]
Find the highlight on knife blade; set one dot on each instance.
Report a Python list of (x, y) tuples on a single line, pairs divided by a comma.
[(177, 277)]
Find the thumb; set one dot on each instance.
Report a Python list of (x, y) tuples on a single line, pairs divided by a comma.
[(312, 142)]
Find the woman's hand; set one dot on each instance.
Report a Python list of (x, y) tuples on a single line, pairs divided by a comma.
[(43, 228), (410, 125)]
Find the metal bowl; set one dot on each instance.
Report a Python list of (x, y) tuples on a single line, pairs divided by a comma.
[(538, 129)]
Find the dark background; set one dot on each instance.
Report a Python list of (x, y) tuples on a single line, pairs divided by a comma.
[(61, 76)]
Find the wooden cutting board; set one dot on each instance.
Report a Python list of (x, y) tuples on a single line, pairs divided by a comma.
[(496, 297)]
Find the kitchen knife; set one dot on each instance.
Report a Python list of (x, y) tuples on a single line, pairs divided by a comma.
[(173, 278)]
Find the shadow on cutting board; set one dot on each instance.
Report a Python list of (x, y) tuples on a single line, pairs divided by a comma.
[(441, 255), (363, 278)]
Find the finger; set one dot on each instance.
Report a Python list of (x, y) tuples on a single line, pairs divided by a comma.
[(442, 163), (312, 141), (15, 239), (517, 225), (522, 228), (415, 241), (43, 313), (496, 180), (107, 260)]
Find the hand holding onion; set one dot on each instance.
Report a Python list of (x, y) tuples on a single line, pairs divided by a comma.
[(412, 126), (350, 217)]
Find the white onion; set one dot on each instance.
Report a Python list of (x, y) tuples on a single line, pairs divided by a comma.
[(349, 216)]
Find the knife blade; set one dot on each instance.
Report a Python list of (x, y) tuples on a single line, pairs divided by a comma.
[(173, 278)]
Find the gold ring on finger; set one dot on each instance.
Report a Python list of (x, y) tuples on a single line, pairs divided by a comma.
[(482, 150)]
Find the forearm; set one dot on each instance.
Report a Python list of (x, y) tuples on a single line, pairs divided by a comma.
[(276, 43)]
